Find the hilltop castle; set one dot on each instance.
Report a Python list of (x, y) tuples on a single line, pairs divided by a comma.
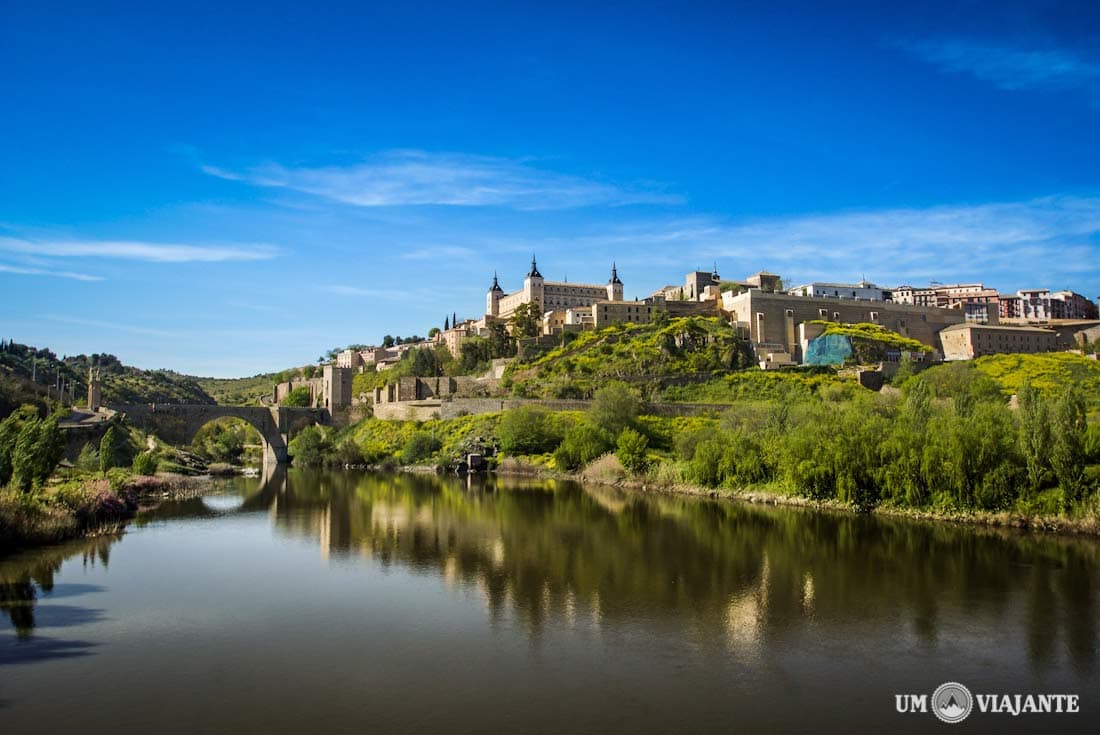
[(550, 295)]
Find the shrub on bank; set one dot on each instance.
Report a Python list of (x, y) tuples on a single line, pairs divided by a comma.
[(528, 430), (631, 449), (582, 444), (145, 464), (420, 446)]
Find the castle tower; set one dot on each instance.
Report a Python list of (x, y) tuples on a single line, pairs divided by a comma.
[(614, 285), (492, 299), (95, 390), (533, 285)]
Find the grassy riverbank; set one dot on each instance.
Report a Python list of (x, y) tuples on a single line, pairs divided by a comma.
[(86, 506)]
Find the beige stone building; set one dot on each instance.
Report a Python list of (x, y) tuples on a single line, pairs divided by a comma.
[(549, 295), (1044, 305), (350, 359), (605, 312), (336, 386), (978, 304), (967, 341), (771, 320)]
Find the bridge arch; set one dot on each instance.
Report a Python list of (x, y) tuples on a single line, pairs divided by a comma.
[(178, 423)]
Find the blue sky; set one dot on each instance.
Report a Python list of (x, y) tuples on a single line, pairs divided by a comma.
[(225, 191)]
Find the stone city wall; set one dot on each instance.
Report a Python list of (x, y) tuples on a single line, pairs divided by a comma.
[(435, 409)]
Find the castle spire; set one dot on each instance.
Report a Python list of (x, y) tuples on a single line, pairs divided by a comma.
[(496, 284), (534, 268), (614, 274)]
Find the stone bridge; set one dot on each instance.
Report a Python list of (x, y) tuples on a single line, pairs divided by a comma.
[(177, 423)]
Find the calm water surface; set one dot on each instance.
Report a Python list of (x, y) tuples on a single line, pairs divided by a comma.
[(359, 603)]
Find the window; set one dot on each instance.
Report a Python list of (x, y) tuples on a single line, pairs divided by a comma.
[(790, 313), (874, 316), (823, 313)]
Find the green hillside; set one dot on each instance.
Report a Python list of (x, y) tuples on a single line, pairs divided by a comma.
[(637, 352), (240, 391), (1050, 372)]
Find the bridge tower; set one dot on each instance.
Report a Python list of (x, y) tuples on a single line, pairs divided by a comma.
[(95, 390)]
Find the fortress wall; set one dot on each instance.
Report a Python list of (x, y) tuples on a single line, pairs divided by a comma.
[(429, 409)]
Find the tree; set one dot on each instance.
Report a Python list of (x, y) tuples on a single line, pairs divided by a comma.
[(615, 407), (1067, 457), (38, 448), (1035, 435), (473, 354), (433, 332), (50, 448), (114, 448), (526, 320), (387, 341), (309, 447), (420, 446), (527, 430), (424, 362), (9, 435), (299, 397), (631, 450), (500, 344), (907, 368), (145, 463), (88, 459), (23, 458), (582, 444)]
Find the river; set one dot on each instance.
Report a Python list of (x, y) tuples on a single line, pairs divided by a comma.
[(348, 602)]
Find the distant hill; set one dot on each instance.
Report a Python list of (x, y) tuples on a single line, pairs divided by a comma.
[(241, 391), (121, 383)]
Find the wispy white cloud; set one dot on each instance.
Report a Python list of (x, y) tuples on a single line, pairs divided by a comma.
[(1052, 241), (25, 271), (137, 250), (403, 178), (1009, 68)]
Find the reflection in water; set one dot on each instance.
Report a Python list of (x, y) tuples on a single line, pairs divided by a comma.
[(549, 551), (25, 576), (447, 605), (550, 554)]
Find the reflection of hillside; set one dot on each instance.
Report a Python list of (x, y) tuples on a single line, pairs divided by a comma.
[(739, 573)]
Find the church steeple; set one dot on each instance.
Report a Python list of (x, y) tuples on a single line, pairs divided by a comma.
[(614, 284), (534, 269)]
